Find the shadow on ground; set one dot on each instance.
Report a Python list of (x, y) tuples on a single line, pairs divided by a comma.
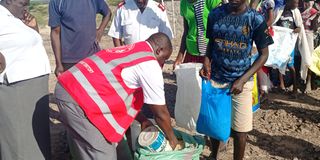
[(286, 146), (59, 146)]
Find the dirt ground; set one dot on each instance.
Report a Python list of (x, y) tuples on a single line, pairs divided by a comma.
[(284, 129)]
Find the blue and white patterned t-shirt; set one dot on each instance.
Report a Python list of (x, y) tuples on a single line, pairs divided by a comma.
[(231, 38)]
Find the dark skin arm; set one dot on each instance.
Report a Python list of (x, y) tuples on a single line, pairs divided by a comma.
[(56, 47), (162, 117), (314, 23), (117, 42), (104, 22), (270, 17), (182, 49), (205, 72), (254, 4), (297, 30), (2, 63), (30, 21), (142, 119), (237, 86)]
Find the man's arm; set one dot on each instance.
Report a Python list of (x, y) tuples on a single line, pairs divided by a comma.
[(182, 49), (2, 63), (56, 47), (262, 39), (162, 117), (104, 22), (117, 42), (237, 86), (142, 119), (314, 23), (115, 30), (30, 21), (254, 3), (270, 17), (297, 30)]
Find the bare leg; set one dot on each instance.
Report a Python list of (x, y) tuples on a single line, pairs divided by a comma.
[(240, 140), (294, 78), (282, 87), (215, 147), (308, 82)]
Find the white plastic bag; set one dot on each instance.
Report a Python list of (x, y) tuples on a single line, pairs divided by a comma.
[(188, 98), (280, 50)]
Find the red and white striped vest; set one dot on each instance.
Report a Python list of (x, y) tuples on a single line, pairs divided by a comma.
[(95, 83)]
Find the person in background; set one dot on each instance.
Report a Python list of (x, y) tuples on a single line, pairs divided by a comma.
[(136, 20), (24, 99), (193, 43), (286, 18), (101, 96), (267, 10), (255, 3), (74, 34), (310, 18), (232, 29)]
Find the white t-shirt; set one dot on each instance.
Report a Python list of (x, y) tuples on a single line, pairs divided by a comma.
[(133, 26), (22, 48), (147, 75)]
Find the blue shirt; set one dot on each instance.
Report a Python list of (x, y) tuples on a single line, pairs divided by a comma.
[(231, 38), (77, 19)]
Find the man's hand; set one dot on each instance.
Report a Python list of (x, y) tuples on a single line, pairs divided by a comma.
[(205, 71), (297, 30), (237, 87), (59, 70), (162, 117), (99, 35), (146, 123), (178, 60), (30, 21), (2, 63), (173, 143)]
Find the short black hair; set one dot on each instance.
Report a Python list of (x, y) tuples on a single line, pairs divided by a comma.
[(161, 40)]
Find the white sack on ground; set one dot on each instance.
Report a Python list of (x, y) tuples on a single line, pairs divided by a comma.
[(188, 97)]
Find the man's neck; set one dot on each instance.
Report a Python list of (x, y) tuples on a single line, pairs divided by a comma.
[(287, 8), (238, 10), (142, 9)]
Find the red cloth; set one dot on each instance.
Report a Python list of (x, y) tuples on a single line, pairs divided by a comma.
[(193, 59), (265, 69)]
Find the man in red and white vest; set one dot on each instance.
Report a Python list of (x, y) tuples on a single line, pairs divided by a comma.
[(101, 95)]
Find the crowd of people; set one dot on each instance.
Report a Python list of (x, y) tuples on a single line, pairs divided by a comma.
[(101, 92)]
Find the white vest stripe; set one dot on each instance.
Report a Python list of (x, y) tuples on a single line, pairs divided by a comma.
[(97, 99), (132, 112), (106, 69)]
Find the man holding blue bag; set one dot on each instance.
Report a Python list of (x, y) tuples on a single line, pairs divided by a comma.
[(232, 28)]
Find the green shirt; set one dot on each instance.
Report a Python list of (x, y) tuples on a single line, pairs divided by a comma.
[(187, 12)]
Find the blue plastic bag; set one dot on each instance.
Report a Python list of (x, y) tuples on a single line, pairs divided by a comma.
[(215, 112)]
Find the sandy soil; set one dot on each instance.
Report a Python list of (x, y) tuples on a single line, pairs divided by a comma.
[(283, 128)]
